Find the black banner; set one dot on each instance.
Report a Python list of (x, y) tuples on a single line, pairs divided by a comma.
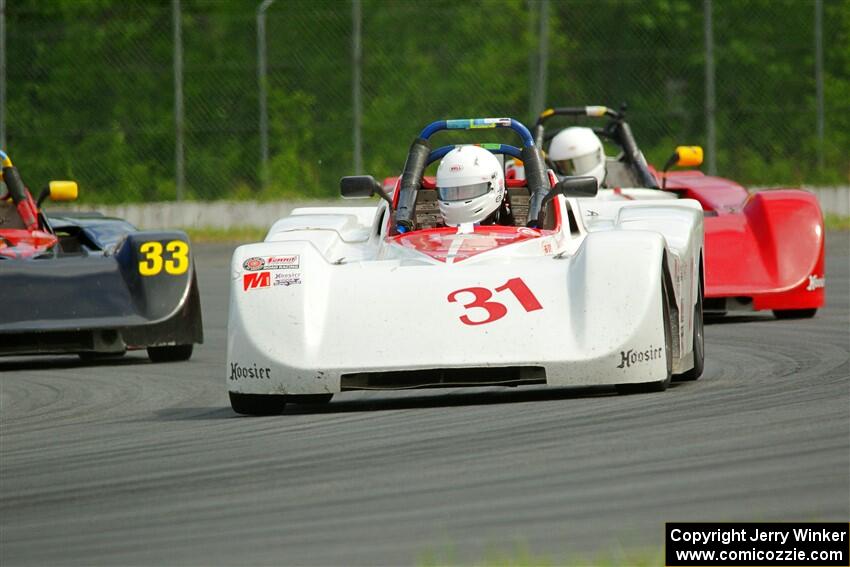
[(815, 544)]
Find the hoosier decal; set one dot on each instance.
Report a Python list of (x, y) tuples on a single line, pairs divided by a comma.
[(238, 371), (815, 282), (629, 357)]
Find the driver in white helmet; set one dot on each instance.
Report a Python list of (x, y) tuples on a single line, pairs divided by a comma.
[(471, 186), (577, 151)]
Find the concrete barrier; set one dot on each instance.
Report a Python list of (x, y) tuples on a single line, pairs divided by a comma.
[(834, 200), (213, 214), (236, 214)]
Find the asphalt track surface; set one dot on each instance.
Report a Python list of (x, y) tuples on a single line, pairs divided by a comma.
[(134, 463)]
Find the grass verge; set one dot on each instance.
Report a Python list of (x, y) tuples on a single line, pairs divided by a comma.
[(836, 222)]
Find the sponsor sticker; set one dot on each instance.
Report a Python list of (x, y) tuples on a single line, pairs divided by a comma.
[(287, 278), (630, 357), (257, 263), (290, 262), (464, 123), (249, 371), (254, 264), (255, 280), (816, 282)]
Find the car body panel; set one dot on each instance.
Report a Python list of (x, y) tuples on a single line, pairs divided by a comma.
[(764, 250), (331, 297)]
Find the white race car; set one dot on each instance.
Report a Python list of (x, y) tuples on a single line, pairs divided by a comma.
[(574, 291)]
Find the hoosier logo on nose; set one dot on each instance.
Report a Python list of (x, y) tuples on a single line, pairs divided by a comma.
[(629, 357), (238, 371), (815, 282)]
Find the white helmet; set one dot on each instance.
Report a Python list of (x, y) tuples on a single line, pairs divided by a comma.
[(578, 151), (471, 185)]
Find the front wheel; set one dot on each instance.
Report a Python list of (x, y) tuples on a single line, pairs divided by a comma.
[(794, 313), (170, 353), (699, 343), (257, 404), (661, 385)]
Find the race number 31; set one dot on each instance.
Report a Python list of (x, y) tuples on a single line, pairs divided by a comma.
[(494, 310)]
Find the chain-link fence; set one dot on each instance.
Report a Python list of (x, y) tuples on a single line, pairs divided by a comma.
[(92, 86)]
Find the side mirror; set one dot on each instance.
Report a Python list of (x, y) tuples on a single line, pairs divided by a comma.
[(59, 191), (574, 187), (361, 186), (63, 190), (689, 156), (684, 156)]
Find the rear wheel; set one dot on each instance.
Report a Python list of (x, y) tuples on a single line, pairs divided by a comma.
[(257, 404), (794, 313), (170, 353), (661, 385), (699, 343)]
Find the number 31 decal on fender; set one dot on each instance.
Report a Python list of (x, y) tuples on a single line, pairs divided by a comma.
[(495, 310), (176, 263)]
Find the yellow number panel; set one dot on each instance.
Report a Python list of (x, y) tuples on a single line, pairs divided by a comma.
[(176, 261), (179, 262)]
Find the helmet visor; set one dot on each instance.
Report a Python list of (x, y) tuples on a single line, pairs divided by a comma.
[(578, 165), (463, 192)]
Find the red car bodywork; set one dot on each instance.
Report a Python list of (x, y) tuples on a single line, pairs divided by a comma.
[(763, 250), (21, 235), (22, 243)]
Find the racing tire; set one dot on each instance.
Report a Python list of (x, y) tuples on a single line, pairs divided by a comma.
[(309, 399), (661, 385), (699, 343), (794, 313), (257, 404), (174, 353)]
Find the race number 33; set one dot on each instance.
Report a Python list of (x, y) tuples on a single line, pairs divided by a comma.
[(494, 310), (175, 262)]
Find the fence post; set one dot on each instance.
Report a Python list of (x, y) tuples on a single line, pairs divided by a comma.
[(539, 98), (819, 79), (532, 67), (356, 61), (710, 101), (178, 99), (262, 86)]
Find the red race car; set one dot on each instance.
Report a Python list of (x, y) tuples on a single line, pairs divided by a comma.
[(763, 250)]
